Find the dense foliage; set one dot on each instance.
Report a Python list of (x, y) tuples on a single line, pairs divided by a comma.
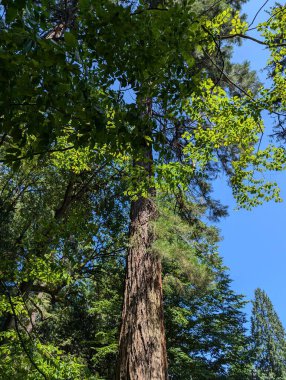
[(268, 339), (104, 104), (67, 299)]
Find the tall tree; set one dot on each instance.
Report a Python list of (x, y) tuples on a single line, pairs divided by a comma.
[(80, 319), (268, 339), (182, 129)]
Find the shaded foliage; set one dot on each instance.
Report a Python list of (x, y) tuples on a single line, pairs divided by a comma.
[(268, 339)]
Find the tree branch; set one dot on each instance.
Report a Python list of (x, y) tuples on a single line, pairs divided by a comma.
[(18, 332), (252, 39)]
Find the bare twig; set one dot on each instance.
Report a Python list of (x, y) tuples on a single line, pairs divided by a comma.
[(257, 13)]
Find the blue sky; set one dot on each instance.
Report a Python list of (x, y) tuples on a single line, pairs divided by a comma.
[(254, 244)]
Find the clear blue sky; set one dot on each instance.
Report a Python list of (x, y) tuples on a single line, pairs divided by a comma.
[(254, 245)]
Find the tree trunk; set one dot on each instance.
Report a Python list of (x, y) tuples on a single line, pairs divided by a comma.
[(34, 313), (142, 346)]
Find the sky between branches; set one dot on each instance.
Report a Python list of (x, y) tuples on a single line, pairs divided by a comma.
[(254, 245)]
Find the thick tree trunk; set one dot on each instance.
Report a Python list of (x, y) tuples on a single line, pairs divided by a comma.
[(142, 346)]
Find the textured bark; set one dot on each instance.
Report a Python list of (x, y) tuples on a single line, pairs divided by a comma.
[(142, 346), (34, 314)]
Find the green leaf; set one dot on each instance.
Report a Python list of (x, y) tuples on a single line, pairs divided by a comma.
[(11, 14), (70, 39), (83, 4)]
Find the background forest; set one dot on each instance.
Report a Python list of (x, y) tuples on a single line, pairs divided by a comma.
[(116, 119)]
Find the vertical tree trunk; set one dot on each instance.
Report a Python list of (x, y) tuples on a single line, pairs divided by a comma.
[(34, 313), (142, 346)]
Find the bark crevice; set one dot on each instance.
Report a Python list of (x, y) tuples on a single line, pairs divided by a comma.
[(142, 347)]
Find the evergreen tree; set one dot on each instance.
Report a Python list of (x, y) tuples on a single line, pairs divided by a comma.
[(204, 322), (60, 65), (69, 320), (268, 339), (206, 336)]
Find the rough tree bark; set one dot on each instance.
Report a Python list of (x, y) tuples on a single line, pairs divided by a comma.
[(142, 346)]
